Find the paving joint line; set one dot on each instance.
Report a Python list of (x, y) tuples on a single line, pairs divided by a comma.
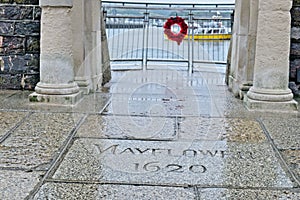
[(9, 132), (127, 139), (277, 153), (170, 185), (105, 106), (55, 163)]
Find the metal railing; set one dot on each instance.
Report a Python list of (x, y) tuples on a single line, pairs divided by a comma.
[(135, 33)]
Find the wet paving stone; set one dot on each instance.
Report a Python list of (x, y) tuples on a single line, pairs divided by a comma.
[(35, 143), (292, 158), (284, 132), (92, 103), (8, 120), (108, 192), (6, 93), (159, 105), (165, 93), (229, 129), (154, 128), (17, 184), (225, 194), (67, 191), (206, 163)]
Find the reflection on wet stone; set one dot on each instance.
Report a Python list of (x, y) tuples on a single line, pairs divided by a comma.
[(128, 127), (230, 129)]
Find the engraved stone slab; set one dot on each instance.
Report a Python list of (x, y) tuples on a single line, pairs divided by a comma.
[(284, 132), (116, 192), (128, 127), (8, 120), (17, 184), (173, 163), (229, 129), (36, 142)]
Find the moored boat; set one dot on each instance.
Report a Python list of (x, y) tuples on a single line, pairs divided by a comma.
[(214, 30)]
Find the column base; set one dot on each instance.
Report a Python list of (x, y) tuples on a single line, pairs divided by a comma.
[(244, 88), (233, 86), (267, 100), (83, 84), (66, 99)]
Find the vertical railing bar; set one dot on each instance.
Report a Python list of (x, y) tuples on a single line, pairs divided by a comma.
[(190, 44), (137, 43), (147, 36), (193, 41), (128, 32), (157, 42), (133, 41), (163, 45), (123, 34), (152, 45), (143, 48), (118, 38)]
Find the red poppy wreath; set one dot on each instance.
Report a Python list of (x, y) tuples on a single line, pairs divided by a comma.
[(178, 37)]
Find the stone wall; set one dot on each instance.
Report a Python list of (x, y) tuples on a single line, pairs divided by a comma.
[(295, 48), (19, 43)]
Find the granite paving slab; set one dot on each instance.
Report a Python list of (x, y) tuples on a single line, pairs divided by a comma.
[(284, 132), (137, 93), (108, 192), (34, 144), (156, 105), (17, 101), (229, 129), (253, 194), (292, 158), (6, 93), (92, 103), (133, 127), (15, 184), (9, 120), (67, 191), (166, 163)]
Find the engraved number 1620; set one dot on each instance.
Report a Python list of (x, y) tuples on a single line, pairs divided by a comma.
[(156, 166)]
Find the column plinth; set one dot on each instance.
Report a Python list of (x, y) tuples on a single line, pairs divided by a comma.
[(56, 84), (271, 69)]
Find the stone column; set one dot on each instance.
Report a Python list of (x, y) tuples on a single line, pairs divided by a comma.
[(271, 69), (93, 42), (56, 84), (79, 42), (239, 46), (87, 45), (251, 47), (106, 69)]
